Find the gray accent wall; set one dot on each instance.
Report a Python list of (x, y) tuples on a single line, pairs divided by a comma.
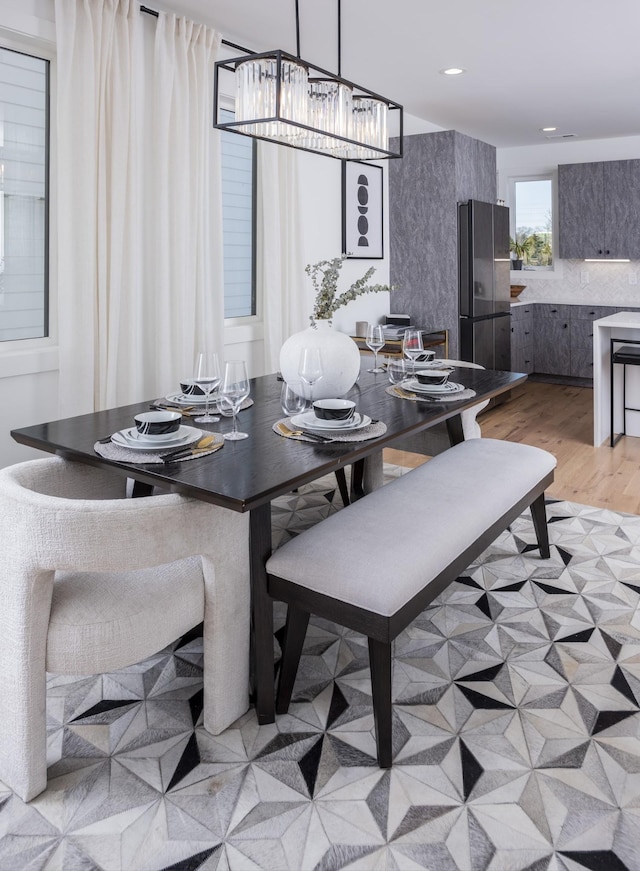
[(437, 171)]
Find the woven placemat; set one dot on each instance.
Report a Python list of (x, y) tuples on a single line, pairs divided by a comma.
[(373, 431), (401, 393), (112, 451), (198, 410)]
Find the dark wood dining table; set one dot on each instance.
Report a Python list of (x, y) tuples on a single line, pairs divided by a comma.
[(247, 475)]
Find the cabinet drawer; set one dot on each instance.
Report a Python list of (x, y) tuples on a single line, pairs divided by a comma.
[(521, 333), (591, 312), (521, 312), (550, 310), (522, 359)]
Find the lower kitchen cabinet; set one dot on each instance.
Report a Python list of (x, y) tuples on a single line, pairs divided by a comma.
[(522, 338), (554, 339)]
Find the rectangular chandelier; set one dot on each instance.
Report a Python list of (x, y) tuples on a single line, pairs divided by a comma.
[(281, 98)]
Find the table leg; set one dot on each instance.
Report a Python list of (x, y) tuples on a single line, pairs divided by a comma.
[(454, 429), (140, 488), (262, 661)]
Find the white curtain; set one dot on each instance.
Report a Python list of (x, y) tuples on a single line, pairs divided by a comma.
[(138, 193), (183, 284), (281, 277)]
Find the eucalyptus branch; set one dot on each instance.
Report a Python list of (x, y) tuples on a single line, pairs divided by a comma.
[(324, 277)]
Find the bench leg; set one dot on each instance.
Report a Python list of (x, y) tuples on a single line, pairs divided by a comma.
[(380, 664), (341, 478), (294, 632), (539, 516)]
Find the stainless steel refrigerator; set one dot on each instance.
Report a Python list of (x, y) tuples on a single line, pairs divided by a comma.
[(484, 284)]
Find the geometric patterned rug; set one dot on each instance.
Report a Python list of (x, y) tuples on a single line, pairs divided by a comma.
[(516, 733)]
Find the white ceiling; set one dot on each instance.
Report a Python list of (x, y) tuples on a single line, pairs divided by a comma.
[(572, 64)]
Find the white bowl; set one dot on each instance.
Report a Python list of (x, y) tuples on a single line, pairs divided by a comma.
[(334, 409), (158, 424)]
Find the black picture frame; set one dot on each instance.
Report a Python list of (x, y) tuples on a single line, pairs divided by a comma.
[(362, 211)]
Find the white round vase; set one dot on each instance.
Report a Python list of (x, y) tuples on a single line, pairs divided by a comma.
[(340, 360)]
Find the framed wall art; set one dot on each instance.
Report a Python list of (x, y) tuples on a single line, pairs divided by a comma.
[(362, 210)]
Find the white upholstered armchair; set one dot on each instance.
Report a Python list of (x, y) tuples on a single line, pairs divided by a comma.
[(92, 582)]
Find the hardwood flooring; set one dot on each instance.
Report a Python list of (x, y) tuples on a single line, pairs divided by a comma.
[(559, 418)]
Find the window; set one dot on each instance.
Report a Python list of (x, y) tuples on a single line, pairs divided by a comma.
[(532, 222), (238, 220), (24, 158)]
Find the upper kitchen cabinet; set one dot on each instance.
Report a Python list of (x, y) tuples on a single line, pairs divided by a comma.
[(599, 210)]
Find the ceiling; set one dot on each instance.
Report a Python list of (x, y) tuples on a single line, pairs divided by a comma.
[(570, 64)]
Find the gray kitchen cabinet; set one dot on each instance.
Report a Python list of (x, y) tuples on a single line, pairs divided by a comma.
[(552, 339), (599, 210), (582, 318), (522, 359)]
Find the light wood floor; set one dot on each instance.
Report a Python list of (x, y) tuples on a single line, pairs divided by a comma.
[(560, 419)]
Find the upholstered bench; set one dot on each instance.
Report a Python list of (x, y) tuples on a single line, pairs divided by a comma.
[(374, 566)]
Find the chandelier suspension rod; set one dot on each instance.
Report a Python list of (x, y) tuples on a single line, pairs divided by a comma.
[(299, 55)]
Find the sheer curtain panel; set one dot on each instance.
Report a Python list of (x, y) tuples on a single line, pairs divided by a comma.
[(139, 214), (281, 277)]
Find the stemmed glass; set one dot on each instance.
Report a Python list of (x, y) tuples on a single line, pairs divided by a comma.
[(375, 341), (234, 390), (412, 347), (310, 368), (207, 376)]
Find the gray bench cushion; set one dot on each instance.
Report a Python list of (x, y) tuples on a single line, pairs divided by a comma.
[(391, 543)]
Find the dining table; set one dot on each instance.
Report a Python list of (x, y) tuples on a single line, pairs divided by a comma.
[(248, 474)]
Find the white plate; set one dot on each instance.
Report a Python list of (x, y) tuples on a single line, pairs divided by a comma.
[(183, 399), (129, 438), (309, 421), (313, 420), (414, 385)]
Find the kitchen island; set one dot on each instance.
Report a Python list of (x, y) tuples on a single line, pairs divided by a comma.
[(621, 325)]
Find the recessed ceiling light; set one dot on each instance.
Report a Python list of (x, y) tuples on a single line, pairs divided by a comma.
[(548, 129), (453, 71)]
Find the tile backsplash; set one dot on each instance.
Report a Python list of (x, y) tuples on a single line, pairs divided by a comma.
[(608, 284)]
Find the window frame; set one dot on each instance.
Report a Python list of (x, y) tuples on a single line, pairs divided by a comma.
[(38, 354), (537, 272)]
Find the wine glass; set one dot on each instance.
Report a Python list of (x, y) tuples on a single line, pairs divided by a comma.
[(375, 341), (207, 376), (310, 368), (412, 347), (233, 391)]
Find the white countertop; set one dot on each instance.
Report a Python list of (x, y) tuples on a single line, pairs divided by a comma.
[(620, 320), (572, 301), (608, 386)]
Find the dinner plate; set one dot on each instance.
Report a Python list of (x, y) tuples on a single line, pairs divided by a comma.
[(414, 386), (313, 420), (185, 399), (309, 421), (130, 438)]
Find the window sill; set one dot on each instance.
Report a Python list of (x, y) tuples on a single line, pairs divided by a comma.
[(28, 361)]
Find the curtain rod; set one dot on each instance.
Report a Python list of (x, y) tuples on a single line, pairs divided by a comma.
[(226, 42)]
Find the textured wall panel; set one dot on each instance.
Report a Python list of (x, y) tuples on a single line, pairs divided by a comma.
[(438, 170)]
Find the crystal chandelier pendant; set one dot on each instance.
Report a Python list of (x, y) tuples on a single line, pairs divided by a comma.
[(257, 97)]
